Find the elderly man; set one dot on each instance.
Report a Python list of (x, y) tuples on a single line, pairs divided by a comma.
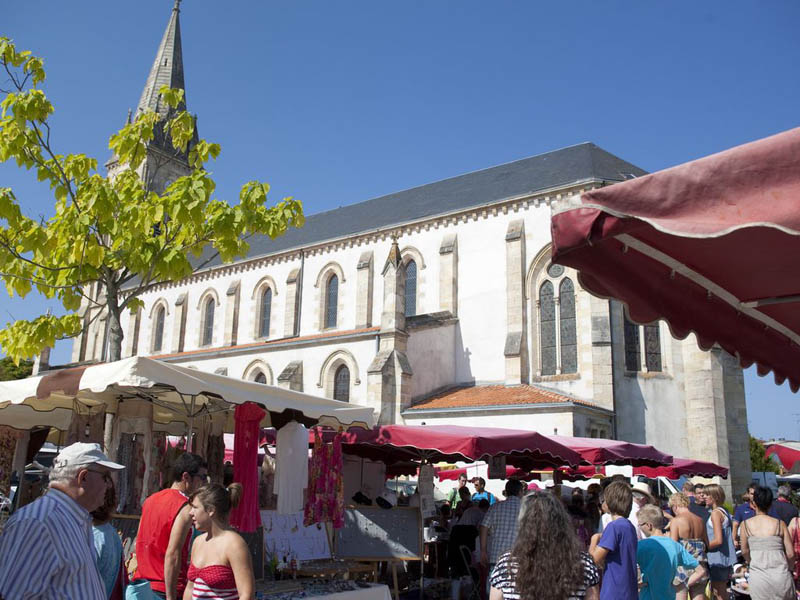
[(47, 547), (783, 508)]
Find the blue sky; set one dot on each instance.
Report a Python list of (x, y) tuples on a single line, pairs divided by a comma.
[(338, 102)]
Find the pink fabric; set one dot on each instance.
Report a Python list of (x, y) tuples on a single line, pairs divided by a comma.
[(247, 417), (325, 500), (600, 451), (681, 467), (710, 246)]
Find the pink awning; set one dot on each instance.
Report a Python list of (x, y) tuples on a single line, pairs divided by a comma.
[(683, 467), (711, 246), (787, 452), (598, 451), (452, 443), (511, 473)]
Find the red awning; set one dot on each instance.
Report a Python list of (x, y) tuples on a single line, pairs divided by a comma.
[(788, 453), (452, 443), (711, 246), (392, 444), (511, 473), (683, 467), (598, 451)]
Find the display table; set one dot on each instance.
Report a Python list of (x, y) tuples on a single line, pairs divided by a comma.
[(321, 590)]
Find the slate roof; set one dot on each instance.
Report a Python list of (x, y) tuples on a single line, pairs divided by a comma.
[(485, 396), (574, 164)]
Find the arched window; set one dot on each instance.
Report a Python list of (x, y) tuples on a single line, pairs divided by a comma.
[(634, 361), (158, 332), (411, 288), (266, 312), (547, 328), (137, 324), (566, 324), (208, 321), (341, 384), (331, 301), (260, 378)]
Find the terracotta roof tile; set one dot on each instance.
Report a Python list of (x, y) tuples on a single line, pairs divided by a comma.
[(494, 395)]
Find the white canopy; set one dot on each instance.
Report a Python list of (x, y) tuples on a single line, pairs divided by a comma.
[(178, 394)]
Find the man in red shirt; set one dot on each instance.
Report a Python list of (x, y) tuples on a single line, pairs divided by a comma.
[(162, 544)]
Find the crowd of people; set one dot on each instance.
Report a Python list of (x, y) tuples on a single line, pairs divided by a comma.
[(612, 542), (615, 541), (62, 546)]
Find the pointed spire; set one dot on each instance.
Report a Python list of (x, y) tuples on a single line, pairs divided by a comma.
[(167, 67), (394, 257)]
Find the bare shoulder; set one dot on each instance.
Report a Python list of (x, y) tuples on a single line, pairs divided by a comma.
[(235, 542)]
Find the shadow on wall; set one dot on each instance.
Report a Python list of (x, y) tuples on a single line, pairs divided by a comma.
[(631, 410), (462, 357)]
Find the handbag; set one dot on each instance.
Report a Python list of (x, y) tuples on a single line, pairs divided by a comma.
[(139, 589)]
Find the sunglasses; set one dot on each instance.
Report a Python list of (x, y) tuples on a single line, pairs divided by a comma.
[(106, 475)]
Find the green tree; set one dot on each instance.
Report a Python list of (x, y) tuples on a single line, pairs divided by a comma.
[(117, 233), (10, 370), (758, 457)]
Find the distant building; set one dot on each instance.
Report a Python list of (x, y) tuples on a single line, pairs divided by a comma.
[(439, 304)]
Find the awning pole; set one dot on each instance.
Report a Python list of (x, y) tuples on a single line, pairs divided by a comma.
[(191, 426)]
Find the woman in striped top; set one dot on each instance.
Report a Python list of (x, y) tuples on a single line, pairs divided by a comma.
[(221, 567)]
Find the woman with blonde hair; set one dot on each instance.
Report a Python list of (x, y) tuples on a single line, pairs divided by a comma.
[(721, 551), (220, 567), (688, 529)]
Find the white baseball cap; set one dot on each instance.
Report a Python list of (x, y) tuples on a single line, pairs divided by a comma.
[(83, 453)]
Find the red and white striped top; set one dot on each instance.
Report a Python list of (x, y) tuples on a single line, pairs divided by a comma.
[(214, 582)]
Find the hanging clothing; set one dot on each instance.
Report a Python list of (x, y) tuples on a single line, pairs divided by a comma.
[(325, 500), (291, 467), (8, 445), (215, 457), (87, 424), (266, 486), (247, 417)]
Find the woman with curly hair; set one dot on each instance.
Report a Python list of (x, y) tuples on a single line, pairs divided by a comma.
[(546, 562)]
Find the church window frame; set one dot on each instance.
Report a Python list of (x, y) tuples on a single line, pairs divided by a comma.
[(258, 370), (329, 368), (410, 292), (554, 338), (207, 306), (643, 346), (262, 330), (341, 383), (330, 299), (158, 319)]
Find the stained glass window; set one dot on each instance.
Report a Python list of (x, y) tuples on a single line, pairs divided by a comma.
[(652, 347), (331, 301), (569, 341), (208, 322), (158, 335), (547, 328), (260, 378), (411, 288), (633, 361), (266, 312), (341, 384)]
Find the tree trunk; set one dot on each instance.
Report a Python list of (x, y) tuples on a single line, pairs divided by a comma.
[(115, 335)]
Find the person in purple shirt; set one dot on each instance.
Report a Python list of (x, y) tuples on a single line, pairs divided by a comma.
[(615, 549)]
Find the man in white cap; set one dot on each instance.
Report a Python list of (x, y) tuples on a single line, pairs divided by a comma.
[(641, 496), (46, 548)]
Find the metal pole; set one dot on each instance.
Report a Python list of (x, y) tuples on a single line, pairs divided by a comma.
[(191, 425)]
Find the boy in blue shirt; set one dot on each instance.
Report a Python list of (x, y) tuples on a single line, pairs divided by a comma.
[(659, 558), (615, 549)]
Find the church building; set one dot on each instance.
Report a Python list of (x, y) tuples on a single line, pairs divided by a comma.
[(439, 305)]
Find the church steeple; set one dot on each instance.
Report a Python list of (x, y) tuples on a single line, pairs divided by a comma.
[(167, 67)]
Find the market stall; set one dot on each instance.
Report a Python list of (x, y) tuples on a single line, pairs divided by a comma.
[(683, 467), (599, 451)]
